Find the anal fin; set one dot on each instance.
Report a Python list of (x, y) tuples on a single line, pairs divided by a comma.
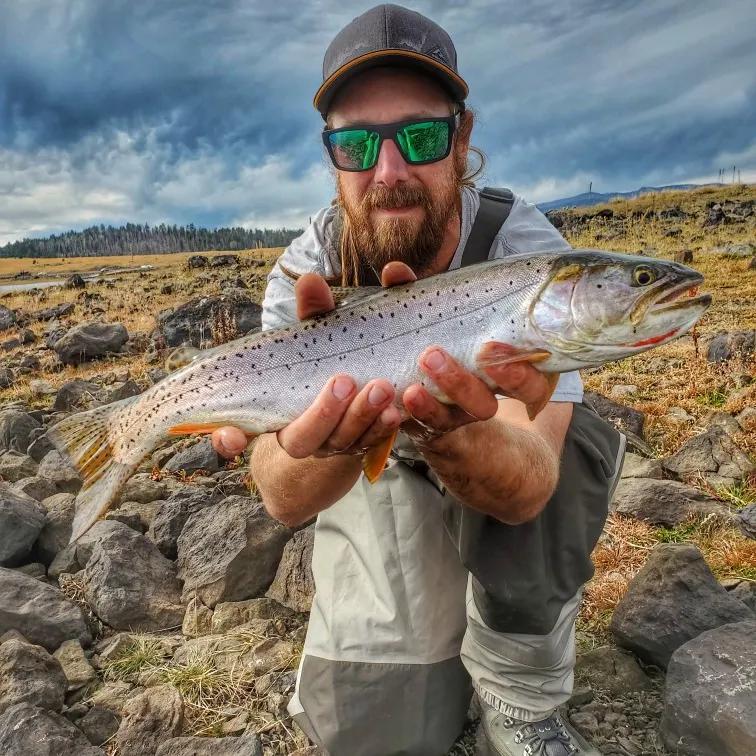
[(374, 461)]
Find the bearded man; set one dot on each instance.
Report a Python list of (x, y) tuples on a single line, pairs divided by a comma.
[(461, 569)]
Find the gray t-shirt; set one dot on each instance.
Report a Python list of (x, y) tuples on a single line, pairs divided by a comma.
[(526, 230)]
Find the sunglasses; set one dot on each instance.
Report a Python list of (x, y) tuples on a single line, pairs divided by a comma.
[(419, 141)]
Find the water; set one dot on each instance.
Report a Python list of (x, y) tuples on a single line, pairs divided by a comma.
[(17, 287)]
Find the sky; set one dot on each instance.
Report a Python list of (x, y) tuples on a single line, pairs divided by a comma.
[(200, 111)]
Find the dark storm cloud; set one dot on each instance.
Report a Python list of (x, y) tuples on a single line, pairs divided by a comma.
[(200, 110)]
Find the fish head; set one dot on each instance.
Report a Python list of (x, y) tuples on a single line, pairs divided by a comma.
[(601, 306)]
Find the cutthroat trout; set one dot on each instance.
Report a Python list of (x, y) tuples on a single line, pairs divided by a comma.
[(561, 311)]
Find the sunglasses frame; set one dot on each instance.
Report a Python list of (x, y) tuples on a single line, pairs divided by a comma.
[(389, 131)]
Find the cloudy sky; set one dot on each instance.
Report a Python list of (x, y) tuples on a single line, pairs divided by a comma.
[(201, 110)]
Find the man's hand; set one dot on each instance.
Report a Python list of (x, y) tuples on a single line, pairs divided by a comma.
[(344, 421)]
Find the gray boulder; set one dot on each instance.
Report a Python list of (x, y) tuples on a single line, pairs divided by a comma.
[(231, 551), (294, 585), (57, 469), (674, 598), (39, 611), (200, 456), (21, 520), (635, 466), (726, 346), (746, 521), (16, 430), (15, 466), (710, 694), (7, 318), (75, 665), (714, 454), (99, 725), (142, 489), (37, 487), (150, 719), (172, 515), (28, 674), (56, 531), (76, 394), (195, 322), (612, 671), (745, 591), (663, 502), (130, 585), (245, 745), (88, 341), (622, 417), (27, 730)]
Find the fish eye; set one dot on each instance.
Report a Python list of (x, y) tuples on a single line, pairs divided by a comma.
[(643, 275)]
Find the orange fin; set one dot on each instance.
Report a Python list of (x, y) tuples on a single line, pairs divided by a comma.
[(374, 460), (189, 428), (533, 409), (494, 353)]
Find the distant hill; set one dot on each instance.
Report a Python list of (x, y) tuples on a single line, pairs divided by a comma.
[(597, 198)]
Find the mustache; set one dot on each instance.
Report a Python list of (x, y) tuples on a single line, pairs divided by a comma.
[(395, 198)]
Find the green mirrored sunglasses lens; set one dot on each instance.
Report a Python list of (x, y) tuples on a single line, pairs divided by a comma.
[(424, 141), (356, 149)]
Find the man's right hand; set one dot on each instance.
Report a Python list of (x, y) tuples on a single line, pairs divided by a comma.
[(341, 420)]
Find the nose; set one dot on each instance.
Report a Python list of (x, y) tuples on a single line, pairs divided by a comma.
[(390, 168)]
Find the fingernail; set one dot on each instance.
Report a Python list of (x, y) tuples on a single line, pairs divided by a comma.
[(342, 387), (377, 396), (435, 360)]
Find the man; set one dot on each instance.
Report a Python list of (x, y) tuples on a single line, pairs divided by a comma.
[(462, 567)]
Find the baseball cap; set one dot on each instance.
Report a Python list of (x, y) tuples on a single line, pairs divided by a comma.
[(389, 35)]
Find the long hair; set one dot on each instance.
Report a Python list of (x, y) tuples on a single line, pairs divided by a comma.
[(354, 270)]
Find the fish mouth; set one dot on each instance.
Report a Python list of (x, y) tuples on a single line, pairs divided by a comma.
[(682, 296)]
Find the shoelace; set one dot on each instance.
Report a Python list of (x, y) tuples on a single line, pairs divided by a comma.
[(545, 738)]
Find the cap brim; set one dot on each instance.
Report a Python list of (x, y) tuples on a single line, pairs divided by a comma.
[(451, 81)]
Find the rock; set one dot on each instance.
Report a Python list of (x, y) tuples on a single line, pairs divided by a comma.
[(726, 346), (21, 520), (15, 466), (679, 415), (197, 620), (197, 261), (585, 722), (622, 417), (155, 375), (16, 429), (52, 313), (56, 531), (114, 696), (673, 599), (722, 420), (124, 391), (623, 391), (684, 256), (135, 515), (710, 694), (195, 322), (232, 483), (37, 487), (612, 671), (40, 387), (76, 394), (6, 378), (12, 635), (7, 318), (39, 611), (86, 544), (150, 719), (740, 250), (635, 466), (35, 570), (142, 489), (28, 674), (99, 725), (75, 282), (752, 263), (128, 518), (200, 456), (746, 521), (40, 445), (76, 666), (172, 515), (26, 730), (233, 614), (222, 261), (663, 502), (745, 591), (88, 341), (231, 551), (293, 585), (245, 745), (57, 470), (747, 419), (64, 561), (130, 585), (714, 454)]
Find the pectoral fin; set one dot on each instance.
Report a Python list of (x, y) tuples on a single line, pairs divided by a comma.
[(495, 353), (374, 461), (534, 408)]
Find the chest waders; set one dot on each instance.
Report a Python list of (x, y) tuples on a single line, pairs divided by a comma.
[(420, 600)]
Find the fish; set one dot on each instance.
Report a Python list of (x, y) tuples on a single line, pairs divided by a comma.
[(560, 311)]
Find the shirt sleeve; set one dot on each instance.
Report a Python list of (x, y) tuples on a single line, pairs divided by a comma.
[(527, 229)]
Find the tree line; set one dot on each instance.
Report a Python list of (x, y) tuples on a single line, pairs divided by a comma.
[(143, 239)]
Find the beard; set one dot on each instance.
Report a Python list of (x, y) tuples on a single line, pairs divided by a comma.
[(409, 240)]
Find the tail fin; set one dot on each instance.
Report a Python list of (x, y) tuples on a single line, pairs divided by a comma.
[(84, 438)]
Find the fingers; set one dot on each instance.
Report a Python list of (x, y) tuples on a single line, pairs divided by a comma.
[(520, 380), (313, 295), (229, 442), (395, 273)]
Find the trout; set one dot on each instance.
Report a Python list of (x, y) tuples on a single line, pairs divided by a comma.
[(560, 311)]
